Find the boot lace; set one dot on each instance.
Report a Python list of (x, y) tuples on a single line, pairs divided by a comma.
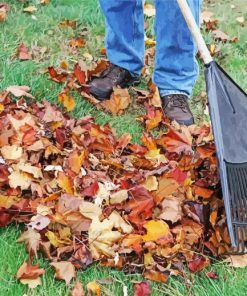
[(178, 101), (113, 72)]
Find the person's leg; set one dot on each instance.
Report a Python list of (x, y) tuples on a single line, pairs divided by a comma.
[(176, 68), (124, 33)]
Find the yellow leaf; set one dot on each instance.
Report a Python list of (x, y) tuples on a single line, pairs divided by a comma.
[(19, 179), (155, 230), (90, 210), (67, 101), (94, 287), (118, 197), (11, 152), (148, 259), (65, 183), (1, 107), (150, 42), (149, 10), (151, 183), (30, 9)]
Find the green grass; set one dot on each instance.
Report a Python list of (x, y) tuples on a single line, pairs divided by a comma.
[(44, 31)]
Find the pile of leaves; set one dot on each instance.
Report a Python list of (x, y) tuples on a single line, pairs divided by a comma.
[(87, 195)]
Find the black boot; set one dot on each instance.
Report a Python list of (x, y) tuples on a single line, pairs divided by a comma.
[(102, 87), (176, 107)]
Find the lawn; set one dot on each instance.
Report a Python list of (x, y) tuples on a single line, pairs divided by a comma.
[(42, 30)]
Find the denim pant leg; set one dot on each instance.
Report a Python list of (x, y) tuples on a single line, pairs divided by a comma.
[(176, 68), (125, 33)]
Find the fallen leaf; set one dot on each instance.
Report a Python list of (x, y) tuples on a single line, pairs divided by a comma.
[(12, 152), (20, 91), (149, 10), (77, 290), (93, 287), (64, 271), (30, 9), (238, 261), (155, 230), (142, 289), (171, 210), (156, 276), (67, 101), (198, 263), (30, 275), (32, 239), (23, 52), (119, 101)]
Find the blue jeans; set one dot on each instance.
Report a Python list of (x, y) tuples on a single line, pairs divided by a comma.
[(176, 68)]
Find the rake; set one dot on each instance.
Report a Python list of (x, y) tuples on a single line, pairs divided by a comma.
[(228, 112)]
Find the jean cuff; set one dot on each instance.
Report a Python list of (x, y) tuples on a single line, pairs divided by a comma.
[(172, 92)]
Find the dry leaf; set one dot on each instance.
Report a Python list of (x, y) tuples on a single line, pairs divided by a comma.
[(119, 101), (93, 287), (238, 261), (64, 271), (78, 290), (19, 91), (149, 10), (30, 9)]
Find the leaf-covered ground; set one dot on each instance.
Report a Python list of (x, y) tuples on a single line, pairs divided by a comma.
[(52, 41)]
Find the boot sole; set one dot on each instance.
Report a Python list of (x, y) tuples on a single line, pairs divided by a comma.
[(101, 95)]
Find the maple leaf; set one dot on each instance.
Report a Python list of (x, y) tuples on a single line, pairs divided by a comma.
[(31, 238), (30, 275), (155, 230), (64, 271), (119, 101), (167, 186), (175, 141), (142, 289), (171, 210), (140, 205)]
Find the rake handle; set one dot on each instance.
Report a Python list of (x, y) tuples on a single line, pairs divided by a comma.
[(195, 31)]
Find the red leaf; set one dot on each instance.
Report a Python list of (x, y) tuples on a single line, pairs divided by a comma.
[(79, 74), (140, 205), (212, 275), (91, 190), (198, 264), (142, 289)]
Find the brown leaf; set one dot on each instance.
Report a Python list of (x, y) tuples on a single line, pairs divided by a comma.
[(31, 238), (156, 276), (30, 275), (78, 290), (119, 101), (167, 186), (64, 271), (238, 261), (23, 52), (171, 210)]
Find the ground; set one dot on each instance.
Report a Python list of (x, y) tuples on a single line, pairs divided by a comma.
[(43, 31)]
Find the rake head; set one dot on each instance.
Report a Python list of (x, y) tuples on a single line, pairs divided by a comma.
[(228, 109)]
